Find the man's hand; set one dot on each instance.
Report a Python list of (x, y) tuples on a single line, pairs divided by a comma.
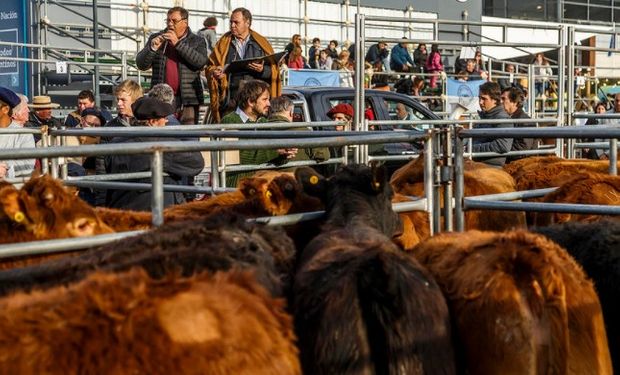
[(3, 169), (171, 37), (218, 72), (288, 152), (257, 66), (157, 42)]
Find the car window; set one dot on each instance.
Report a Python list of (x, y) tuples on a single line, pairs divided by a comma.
[(371, 113), (298, 113), (399, 110)]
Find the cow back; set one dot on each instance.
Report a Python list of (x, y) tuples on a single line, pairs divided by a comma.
[(519, 302), (129, 323)]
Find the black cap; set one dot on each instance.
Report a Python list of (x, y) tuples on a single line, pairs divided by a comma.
[(147, 108), (94, 112), (9, 97)]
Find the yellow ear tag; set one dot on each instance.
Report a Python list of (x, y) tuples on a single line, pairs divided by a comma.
[(314, 180), (268, 194), (19, 216)]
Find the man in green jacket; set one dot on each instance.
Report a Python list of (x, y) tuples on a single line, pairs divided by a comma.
[(252, 108), (281, 110)]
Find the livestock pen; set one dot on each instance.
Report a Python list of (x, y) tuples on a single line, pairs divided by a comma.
[(157, 150)]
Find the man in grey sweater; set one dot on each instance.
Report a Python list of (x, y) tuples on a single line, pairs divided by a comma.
[(13, 114)]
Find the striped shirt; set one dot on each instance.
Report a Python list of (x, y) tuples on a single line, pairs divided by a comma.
[(240, 46)]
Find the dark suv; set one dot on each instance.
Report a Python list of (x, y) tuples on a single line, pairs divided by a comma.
[(313, 103)]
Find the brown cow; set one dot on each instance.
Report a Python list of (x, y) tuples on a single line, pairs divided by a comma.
[(479, 179), (43, 209), (261, 195), (416, 225), (130, 324), (551, 171), (215, 243), (530, 163), (363, 306), (520, 303), (587, 188)]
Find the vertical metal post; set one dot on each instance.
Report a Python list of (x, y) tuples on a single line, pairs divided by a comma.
[(459, 183), (96, 46), (45, 167), (124, 65), (64, 167), (435, 179), (215, 176), (157, 188), (561, 85), (428, 180), (447, 184), (531, 98), (613, 157), (306, 20), (570, 101), (55, 142), (490, 68), (359, 68), (222, 168)]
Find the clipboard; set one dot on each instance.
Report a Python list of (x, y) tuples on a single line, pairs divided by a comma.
[(240, 65)]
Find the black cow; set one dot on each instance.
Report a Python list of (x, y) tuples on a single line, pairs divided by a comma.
[(596, 247), (361, 305), (215, 243)]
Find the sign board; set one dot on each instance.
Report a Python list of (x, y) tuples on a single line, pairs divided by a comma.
[(61, 67), (310, 77), (13, 29)]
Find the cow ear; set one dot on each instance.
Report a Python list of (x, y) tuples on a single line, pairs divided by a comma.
[(313, 183), (379, 176), (10, 201)]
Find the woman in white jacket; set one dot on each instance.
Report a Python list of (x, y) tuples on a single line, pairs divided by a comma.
[(542, 71)]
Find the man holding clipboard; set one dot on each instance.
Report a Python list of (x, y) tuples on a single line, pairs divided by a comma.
[(241, 54)]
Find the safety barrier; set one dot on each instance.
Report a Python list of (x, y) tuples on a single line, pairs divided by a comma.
[(461, 203)]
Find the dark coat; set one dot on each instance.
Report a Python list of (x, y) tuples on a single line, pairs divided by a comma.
[(36, 122), (177, 165), (499, 145), (375, 55), (252, 49), (192, 51), (521, 144), (313, 57)]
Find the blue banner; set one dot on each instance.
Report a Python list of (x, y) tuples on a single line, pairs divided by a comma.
[(13, 23), (329, 78), (466, 91)]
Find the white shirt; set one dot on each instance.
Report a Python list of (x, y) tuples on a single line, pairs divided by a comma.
[(242, 114)]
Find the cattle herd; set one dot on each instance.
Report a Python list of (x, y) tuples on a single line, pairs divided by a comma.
[(362, 290)]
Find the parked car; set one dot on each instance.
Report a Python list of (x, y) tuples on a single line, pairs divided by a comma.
[(313, 102)]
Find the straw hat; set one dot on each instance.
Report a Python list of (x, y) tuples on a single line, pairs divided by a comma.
[(42, 101)]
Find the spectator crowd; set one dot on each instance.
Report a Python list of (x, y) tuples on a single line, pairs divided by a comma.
[(242, 74)]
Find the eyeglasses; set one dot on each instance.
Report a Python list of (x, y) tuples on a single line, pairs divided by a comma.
[(174, 22)]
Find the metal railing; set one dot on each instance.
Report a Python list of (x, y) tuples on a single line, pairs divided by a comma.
[(461, 203), (158, 148)]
